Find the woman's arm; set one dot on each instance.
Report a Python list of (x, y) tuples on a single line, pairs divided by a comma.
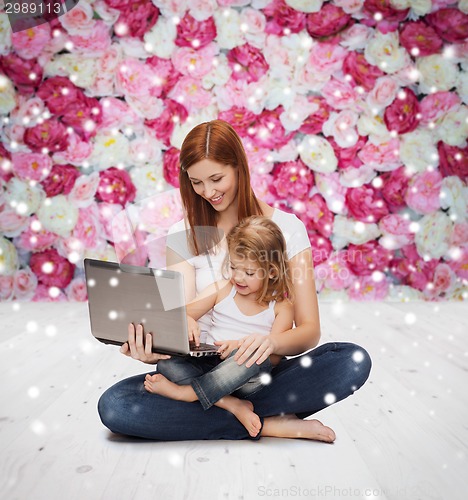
[(306, 335), (175, 263)]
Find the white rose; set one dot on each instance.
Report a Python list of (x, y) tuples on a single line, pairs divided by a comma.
[(171, 8), (305, 5), (79, 20), (109, 149), (317, 153), (107, 253), (436, 73), (7, 95), (356, 36), (182, 129), (332, 296), (148, 179), (349, 6), (219, 74), (133, 47), (463, 6), (293, 117), (5, 34), (145, 149), (454, 196), (403, 293), (202, 9), (146, 106), (57, 215), (228, 26), (106, 13), (462, 87), (418, 150), (341, 126), (8, 257), (356, 177), (374, 127), (328, 185), (160, 38), (453, 128), (432, 238), (383, 93), (384, 51), (24, 197), (80, 69), (347, 231)]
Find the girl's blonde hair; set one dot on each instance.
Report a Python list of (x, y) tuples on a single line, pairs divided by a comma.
[(217, 141), (260, 239)]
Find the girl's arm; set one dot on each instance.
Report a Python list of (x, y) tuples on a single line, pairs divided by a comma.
[(206, 299)]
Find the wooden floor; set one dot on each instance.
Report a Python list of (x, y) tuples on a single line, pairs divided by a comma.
[(404, 435)]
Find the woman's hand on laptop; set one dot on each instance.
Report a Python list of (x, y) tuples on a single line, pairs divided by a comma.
[(136, 349)]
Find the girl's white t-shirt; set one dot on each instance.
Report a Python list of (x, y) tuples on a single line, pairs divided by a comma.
[(208, 267)]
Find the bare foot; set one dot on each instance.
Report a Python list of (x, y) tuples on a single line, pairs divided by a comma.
[(243, 411), (159, 384), (290, 426)]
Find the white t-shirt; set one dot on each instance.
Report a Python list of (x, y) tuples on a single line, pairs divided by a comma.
[(208, 267)]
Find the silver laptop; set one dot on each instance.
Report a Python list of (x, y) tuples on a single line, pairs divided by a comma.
[(119, 294)]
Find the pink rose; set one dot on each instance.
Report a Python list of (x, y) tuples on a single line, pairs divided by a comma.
[(84, 189), (6, 288), (335, 273), (51, 269), (5, 164), (45, 294), (366, 288), (88, 229), (364, 259), (402, 114), (11, 222), (366, 204), (240, 118), (31, 166), (137, 18), (261, 185), (450, 24), (97, 40), (26, 74), (444, 279), (435, 106), (84, 115), (396, 231), (107, 212), (165, 72), (326, 58), (383, 157), (163, 126), (171, 166), (347, 157), (28, 110), (194, 62), (339, 95), (423, 192), (281, 17), (161, 211), (355, 36), (193, 33), (292, 180), (58, 92), (341, 127), (418, 35), (389, 17), (269, 133), (60, 180), (459, 236), (247, 63), (25, 284), (362, 72), (138, 79), (314, 123), (190, 92), (78, 20), (412, 269), (321, 247), (76, 290), (453, 160), (460, 265), (117, 113), (31, 42), (394, 188), (51, 135), (76, 153), (35, 238), (328, 21), (317, 216), (115, 186)]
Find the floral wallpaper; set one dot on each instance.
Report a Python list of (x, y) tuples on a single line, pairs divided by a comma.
[(353, 114)]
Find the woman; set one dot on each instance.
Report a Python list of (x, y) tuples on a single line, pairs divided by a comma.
[(215, 189)]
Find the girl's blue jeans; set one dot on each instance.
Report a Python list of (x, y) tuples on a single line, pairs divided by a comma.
[(302, 385), (212, 378)]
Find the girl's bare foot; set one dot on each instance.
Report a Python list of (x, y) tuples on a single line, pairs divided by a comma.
[(159, 384), (290, 426), (243, 411)]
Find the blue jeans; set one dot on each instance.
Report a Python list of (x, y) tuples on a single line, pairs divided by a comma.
[(212, 378), (302, 385)]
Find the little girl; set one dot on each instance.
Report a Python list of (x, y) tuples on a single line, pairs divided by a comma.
[(256, 299)]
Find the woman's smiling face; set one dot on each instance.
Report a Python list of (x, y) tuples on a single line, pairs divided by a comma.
[(215, 182)]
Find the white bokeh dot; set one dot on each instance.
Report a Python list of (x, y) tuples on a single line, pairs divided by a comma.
[(306, 361), (265, 378), (329, 398), (410, 318), (358, 356), (33, 392)]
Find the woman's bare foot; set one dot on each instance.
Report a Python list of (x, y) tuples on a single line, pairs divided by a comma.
[(159, 384), (289, 426), (243, 411)]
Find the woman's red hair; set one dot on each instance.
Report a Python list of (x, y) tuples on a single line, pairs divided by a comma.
[(219, 142)]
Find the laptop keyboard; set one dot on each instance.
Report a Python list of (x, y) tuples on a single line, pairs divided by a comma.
[(202, 347)]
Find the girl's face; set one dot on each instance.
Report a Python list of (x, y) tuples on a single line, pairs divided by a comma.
[(246, 274), (215, 182)]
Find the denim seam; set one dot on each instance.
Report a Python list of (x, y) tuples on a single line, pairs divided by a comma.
[(204, 401)]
